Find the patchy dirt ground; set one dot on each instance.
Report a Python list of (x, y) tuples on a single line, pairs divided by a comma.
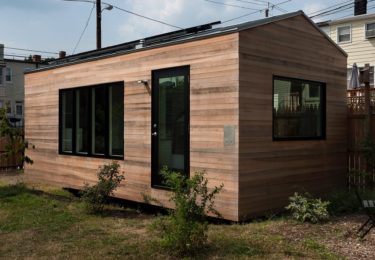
[(338, 235), (12, 177)]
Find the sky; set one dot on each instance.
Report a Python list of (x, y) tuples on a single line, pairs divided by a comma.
[(55, 25)]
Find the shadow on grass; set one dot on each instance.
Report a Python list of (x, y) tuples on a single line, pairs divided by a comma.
[(21, 188)]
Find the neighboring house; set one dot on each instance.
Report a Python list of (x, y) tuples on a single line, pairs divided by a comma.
[(356, 36), (12, 86), (259, 106)]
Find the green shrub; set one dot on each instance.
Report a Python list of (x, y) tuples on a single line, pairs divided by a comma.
[(96, 196), (305, 208), (184, 231)]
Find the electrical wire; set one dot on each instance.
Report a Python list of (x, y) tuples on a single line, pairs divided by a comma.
[(336, 10), (245, 15), (324, 9), (84, 29), (333, 11), (145, 17), (129, 12), (368, 9), (20, 49), (262, 3), (238, 6)]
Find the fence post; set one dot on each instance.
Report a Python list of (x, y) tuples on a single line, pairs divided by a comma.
[(366, 80)]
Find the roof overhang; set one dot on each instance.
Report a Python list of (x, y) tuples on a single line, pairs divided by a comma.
[(116, 50)]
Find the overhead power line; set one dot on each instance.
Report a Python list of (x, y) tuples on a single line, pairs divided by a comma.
[(262, 3), (28, 50), (327, 8), (238, 6), (84, 29), (258, 11), (129, 12), (336, 9), (145, 17)]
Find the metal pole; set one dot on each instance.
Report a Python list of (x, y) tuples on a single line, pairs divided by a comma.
[(98, 24)]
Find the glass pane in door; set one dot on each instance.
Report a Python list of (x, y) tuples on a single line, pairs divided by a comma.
[(116, 121), (171, 129)]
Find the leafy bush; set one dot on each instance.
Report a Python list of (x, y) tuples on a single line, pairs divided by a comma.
[(184, 231), (15, 142), (305, 208), (96, 196)]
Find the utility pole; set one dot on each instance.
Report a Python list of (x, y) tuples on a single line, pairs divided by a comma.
[(268, 9), (98, 24)]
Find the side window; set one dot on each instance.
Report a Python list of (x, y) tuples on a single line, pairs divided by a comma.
[(19, 108), (344, 34), (370, 30), (92, 121), (1, 76), (8, 74), (298, 109)]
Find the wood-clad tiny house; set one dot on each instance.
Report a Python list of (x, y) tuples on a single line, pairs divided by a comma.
[(260, 106)]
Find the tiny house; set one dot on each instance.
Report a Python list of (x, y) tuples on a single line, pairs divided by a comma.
[(259, 106)]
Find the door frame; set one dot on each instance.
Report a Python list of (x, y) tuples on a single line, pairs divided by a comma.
[(156, 74)]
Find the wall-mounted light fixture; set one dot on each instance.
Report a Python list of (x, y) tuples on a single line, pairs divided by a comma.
[(143, 81)]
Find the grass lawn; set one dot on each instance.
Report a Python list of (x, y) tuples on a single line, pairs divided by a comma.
[(53, 224)]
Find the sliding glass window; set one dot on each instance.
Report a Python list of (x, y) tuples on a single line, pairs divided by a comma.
[(92, 121), (298, 109), (82, 120)]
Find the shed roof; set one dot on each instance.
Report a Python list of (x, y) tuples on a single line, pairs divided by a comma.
[(172, 38)]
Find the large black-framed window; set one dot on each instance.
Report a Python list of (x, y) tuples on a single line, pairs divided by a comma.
[(91, 121), (299, 109)]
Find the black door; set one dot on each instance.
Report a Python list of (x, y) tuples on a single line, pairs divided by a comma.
[(170, 122)]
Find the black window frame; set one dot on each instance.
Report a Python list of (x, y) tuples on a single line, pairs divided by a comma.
[(74, 135), (323, 107)]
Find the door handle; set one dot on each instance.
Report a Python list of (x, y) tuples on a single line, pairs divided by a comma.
[(154, 134)]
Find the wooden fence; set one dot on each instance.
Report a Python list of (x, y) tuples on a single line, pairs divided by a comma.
[(8, 163), (361, 135)]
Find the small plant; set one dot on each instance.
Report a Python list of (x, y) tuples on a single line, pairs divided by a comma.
[(184, 231), (96, 196), (305, 208)]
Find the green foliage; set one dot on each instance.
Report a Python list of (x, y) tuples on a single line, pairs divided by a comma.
[(16, 144), (305, 208), (184, 231), (96, 196)]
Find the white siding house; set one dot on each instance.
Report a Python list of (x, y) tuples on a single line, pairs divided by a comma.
[(356, 36)]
